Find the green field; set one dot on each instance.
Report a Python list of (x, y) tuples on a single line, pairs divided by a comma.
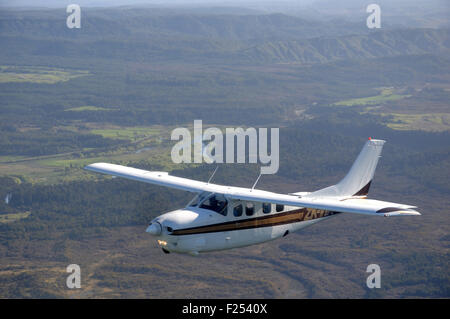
[(136, 144), (8, 218), (8, 158), (44, 75), (427, 122), (87, 108), (127, 133), (386, 95)]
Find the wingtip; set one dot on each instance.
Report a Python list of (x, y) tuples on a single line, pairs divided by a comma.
[(403, 213), (375, 141), (92, 166), (88, 167)]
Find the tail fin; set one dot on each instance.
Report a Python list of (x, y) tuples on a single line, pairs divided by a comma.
[(358, 179)]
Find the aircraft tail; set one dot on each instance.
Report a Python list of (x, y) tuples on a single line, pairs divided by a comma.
[(358, 179)]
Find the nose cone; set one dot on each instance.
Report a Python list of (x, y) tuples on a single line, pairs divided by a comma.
[(154, 229)]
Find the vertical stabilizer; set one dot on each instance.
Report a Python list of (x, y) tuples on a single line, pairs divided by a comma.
[(358, 179)]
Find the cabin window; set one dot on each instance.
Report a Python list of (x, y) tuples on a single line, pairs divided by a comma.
[(216, 203), (279, 208), (267, 208), (237, 210), (249, 209)]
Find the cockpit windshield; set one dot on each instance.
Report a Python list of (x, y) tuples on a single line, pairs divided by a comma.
[(215, 202), (207, 200), (198, 199)]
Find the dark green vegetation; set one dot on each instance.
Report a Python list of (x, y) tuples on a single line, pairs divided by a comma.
[(113, 90)]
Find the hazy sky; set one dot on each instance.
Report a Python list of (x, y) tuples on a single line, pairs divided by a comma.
[(63, 3), (310, 8)]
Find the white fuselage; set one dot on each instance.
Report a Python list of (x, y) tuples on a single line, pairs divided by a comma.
[(193, 229)]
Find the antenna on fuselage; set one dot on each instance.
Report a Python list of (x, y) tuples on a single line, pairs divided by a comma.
[(213, 174), (256, 181)]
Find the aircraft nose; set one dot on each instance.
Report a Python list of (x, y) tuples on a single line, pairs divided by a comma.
[(154, 229)]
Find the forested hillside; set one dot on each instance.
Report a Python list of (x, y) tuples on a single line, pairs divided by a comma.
[(114, 90)]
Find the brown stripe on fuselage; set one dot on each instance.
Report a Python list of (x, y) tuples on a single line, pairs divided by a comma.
[(293, 216)]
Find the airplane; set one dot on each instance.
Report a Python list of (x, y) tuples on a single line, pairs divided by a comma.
[(223, 217)]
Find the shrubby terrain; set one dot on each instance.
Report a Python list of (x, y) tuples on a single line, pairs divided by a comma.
[(114, 89)]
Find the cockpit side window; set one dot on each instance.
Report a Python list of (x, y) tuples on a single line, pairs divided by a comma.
[(217, 203), (279, 208)]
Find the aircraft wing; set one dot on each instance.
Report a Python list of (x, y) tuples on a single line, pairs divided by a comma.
[(335, 204), (158, 178)]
